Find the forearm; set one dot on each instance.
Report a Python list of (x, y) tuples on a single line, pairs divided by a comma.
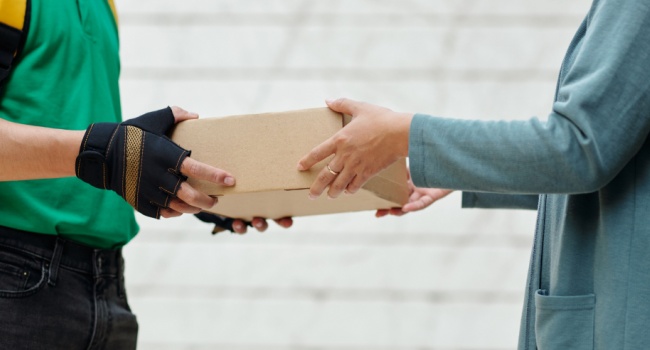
[(516, 157), (31, 152)]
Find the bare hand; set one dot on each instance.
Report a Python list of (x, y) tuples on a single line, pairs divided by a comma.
[(374, 139), (420, 198), (189, 200)]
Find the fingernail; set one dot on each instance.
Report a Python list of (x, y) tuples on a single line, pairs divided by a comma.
[(312, 196), (300, 167), (329, 100), (229, 181), (258, 224)]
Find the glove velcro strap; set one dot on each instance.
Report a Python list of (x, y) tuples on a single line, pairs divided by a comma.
[(90, 165)]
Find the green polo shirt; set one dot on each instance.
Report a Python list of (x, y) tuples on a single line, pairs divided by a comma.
[(67, 79)]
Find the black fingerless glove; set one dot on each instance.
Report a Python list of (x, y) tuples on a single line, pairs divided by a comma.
[(221, 223), (135, 159)]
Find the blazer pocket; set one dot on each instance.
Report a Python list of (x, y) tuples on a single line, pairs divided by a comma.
[(564, 322)]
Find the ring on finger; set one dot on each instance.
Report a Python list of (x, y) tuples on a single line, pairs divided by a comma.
[(335, 173)]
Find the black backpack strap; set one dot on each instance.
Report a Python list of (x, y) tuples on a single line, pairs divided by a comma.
[(14, 25)]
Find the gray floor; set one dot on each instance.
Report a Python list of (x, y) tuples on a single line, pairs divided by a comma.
[(444, 278)]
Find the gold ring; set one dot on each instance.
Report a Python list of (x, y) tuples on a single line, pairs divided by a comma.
[(332, 171)]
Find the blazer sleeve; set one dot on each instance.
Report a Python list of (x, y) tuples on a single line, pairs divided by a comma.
[(499, 201), (599, 121)]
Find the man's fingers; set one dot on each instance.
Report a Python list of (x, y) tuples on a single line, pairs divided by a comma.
[(180, 114), (197, 170), (182, 207), (260, 224), (381, 213), (392, 211), (194, 198), (317, 154), (169, 213), (239, 226), (284, 222)]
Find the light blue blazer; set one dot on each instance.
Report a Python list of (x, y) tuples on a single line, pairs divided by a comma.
[(586, 168)]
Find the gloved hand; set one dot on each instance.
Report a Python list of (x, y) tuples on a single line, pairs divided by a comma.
[(221, 223), (139, 162), (240, 226)]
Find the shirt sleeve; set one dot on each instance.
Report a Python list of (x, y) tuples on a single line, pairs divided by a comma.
[(599, 121)]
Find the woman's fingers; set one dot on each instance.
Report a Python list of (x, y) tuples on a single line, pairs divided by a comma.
[(317, 154), (424, 197), (323, 180)]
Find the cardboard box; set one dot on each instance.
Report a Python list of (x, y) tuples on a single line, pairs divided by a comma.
[(262, 152)]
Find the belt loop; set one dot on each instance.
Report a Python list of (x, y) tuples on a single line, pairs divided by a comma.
[(56, 261)]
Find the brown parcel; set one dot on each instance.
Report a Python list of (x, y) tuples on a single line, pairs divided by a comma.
[(262, 152)]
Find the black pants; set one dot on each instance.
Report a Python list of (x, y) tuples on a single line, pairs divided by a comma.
[(56, 294)]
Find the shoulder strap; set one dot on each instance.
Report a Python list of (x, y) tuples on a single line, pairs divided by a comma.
[(111, 3), (14, 24)]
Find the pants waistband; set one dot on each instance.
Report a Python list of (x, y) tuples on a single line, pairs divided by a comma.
[(65, 253)]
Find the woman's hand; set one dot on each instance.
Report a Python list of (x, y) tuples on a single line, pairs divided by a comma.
[(420, 198), (374, 139)]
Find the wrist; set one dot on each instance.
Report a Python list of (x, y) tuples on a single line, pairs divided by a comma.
[(403, 132), (91, 162), (69, 142)]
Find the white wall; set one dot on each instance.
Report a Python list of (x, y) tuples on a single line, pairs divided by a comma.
[(444, 278)]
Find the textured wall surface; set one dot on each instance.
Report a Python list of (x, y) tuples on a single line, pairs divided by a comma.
[(444, 278)]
